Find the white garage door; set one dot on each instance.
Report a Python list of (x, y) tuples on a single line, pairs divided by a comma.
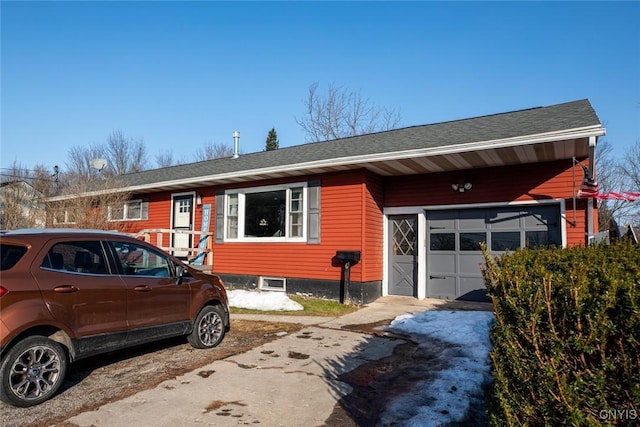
[(454, 237)]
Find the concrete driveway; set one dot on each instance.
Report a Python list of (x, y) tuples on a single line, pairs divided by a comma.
[(292, 381)]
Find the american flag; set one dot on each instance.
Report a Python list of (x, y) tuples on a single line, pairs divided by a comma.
[(589, 189)]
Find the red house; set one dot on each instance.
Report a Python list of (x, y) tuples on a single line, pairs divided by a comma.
[(405, 209)]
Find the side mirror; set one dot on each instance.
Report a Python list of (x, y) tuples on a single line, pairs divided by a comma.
[(179, 274)]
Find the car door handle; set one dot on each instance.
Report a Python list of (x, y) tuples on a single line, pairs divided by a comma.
[(437, 277), (65, 289), (143, 288)]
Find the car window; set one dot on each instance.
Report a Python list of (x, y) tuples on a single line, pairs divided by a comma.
[(138, 260), (10, 255), (79, 257)]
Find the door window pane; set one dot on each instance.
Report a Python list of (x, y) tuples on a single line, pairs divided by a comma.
[(442, 242), (139, 260), (80, 257), (471, 241), (505, 241), (540, 239), (404, 237)]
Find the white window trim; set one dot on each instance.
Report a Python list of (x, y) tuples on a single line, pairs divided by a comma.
[(66, 219), (125, 209), (241, 192), (264, 287)]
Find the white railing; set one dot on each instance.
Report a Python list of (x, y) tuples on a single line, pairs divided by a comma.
[(200, 256)]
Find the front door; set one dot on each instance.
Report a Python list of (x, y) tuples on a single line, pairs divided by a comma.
[(182, 221), (403, 251)]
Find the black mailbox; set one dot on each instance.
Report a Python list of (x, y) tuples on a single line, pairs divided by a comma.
[(350, 256)]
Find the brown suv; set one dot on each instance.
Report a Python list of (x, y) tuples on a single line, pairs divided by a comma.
[(70, 294)]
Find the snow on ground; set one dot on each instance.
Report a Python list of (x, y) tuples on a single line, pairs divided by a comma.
[(448, 397), (264, 301)]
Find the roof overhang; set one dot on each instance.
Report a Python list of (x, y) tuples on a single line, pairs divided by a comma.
[(546, 147)]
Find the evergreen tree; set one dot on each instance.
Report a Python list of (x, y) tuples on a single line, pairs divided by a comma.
[(272, 141)]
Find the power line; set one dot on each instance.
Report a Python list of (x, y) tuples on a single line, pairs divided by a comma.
[(19, 177), (23, 170)]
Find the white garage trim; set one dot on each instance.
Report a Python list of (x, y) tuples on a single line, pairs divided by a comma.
[(420, 211)]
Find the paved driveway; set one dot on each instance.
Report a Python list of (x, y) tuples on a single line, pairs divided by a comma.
[(291, 381)]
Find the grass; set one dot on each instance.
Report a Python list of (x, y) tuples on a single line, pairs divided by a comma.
[(312, 307)]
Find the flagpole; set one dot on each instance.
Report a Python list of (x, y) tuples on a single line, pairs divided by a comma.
[(573, 172)]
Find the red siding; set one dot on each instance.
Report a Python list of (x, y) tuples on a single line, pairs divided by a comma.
[(351, 215), (340, 227), (373, 228), (545, 181)]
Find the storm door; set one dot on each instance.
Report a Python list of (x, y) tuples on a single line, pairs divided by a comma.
[(403, 251), (182, 220)]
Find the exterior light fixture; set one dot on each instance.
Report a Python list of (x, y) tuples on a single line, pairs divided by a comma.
[(461, 187), (199, 199)]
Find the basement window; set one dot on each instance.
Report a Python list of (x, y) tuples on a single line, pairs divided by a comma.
[(273, 283)]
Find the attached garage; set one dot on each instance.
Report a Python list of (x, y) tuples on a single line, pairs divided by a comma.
[(454, 237), (451, 256)]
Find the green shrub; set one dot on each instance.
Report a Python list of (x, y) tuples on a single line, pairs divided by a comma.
[(566, 342)]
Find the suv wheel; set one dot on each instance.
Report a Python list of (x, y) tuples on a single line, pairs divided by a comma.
[(32, 371), (209, 328)]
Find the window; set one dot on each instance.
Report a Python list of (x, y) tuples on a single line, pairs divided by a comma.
[(137, 260), (232, 216), (131, 210), (79, 257), (10, 255), (273, 283), (266, 213), (64, 217), (471, 241)]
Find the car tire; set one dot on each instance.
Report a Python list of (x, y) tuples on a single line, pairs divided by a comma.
[(208, 328), (32, 371)]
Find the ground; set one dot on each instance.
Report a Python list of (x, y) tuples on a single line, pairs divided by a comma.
[(96, 381)]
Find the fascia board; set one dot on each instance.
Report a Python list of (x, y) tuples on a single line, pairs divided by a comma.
[(585, 132)]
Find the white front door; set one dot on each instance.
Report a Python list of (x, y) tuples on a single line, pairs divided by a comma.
[(182, 220)]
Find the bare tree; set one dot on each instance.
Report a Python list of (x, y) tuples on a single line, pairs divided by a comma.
[(630, 166), (341, 113), (125, 155), (213, 151), (617, 175), (22, 195), (630, 169), (87, 203), (166, 158)]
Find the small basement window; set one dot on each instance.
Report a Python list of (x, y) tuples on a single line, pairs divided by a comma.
[(273, 283)]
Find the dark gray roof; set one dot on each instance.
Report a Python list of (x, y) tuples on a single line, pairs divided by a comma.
[(534, 121)]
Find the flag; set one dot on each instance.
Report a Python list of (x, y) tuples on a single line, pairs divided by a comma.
[(589, 189)]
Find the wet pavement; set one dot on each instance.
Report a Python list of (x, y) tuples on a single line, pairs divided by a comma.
[(294, 380)]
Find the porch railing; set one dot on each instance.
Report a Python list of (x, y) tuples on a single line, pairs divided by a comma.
[(200, 256)]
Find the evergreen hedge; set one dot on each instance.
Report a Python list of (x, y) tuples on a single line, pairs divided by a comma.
[(566, 342)]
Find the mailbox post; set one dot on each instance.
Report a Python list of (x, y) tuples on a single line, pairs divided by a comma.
[(347, 258)]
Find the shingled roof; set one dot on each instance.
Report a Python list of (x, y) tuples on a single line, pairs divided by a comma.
[(415, 149)]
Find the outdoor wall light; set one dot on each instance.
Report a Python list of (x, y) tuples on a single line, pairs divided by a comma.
[(461, 187), (199, 199)]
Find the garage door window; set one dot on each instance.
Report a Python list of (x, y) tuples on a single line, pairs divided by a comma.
[(443, 242), (471, 241), (505, 241)]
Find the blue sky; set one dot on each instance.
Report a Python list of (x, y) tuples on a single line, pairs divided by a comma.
[(180, 75)]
